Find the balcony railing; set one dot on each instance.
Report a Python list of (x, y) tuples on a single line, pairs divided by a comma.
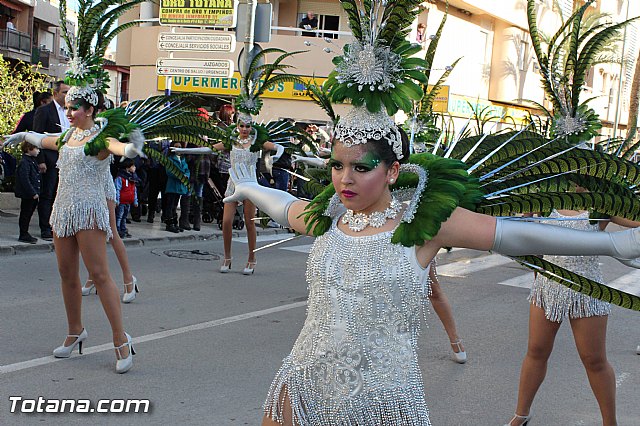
[(41, 56), (12, 39)]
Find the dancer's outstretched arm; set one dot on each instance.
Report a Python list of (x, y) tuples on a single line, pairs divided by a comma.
[(516, 238), (281, 206), (39, 140)]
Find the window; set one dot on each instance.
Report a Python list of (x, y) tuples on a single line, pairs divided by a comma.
[(325, 22)]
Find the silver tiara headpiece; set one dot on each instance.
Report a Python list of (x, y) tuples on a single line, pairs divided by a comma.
[(360, 126), (86, 93)]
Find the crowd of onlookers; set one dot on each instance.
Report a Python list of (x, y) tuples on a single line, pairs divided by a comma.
[(144, 187)]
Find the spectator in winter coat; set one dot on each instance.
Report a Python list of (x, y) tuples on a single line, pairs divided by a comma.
[(175, 188), (27, 189)]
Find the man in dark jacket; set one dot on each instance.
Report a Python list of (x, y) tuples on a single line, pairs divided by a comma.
[(27, 188), (26, 121), (50, 118)]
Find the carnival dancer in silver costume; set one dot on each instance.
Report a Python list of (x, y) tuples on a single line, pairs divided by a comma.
[(551, 304), (241, 153), (378, 226), (129, 280)]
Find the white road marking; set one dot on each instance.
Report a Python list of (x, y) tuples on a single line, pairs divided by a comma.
[(18, 366), (621, 378), (522, 281), (629, 283), (262, 238), (463, 268)]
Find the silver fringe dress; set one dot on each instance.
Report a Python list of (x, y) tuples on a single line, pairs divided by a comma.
[(81, 200), (107, 179), (355, 362), (560, 302), (240, 155)]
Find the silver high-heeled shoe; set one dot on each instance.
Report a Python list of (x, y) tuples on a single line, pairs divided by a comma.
[(65, 351), (88, 287), (124, 364), (525, 420), (248, 270), (461, 356), (129, 297), (226, 267)]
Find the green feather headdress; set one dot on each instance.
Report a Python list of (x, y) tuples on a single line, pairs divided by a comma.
[(377, 72), (96, 19)]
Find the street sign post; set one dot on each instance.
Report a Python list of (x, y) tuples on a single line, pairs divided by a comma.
[(204, 13), (221, 68), (201, 42)]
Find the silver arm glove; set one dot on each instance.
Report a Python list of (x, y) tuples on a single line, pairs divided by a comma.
[(516, 238), (188, 151), (34, 139), (311, 161), (273, 202), (135, 145)]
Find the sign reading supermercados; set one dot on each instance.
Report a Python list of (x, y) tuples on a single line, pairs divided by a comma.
[(206, 13)]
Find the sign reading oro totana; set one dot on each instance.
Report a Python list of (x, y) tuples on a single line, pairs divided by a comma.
[(206, 13), (231, 86)]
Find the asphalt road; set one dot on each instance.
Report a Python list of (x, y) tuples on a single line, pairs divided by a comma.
[(209, 344)]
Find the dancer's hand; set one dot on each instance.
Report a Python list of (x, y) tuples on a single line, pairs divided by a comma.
[(311, 161), (34, 139), (243, 178), (135, 145)]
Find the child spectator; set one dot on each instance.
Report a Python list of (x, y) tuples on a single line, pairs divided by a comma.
[(27, 189), (175, 188), (126, 195)]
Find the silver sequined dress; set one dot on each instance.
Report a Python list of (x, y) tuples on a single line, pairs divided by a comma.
[(107, 179), (560, 302), (240, 155), (81, 200), (355, 363)]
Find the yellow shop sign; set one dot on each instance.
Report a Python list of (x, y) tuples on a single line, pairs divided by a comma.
[(231, 86)]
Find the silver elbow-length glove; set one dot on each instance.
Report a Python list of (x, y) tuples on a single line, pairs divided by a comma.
[(518, 238), (33, 138), (273, 202)]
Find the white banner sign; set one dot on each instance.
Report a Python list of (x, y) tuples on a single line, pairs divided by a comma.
[(197, 42), (222, 68)]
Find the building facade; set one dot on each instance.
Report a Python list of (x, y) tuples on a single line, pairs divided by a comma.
[(497, 72)]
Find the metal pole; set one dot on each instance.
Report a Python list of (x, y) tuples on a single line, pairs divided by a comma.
[(248, 42), (624, 47), (169, 79)]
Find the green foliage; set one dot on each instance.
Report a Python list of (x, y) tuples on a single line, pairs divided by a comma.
[(17, 85)]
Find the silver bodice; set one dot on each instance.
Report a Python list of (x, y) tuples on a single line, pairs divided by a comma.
[(355, 361), (81, 200), (559, 301), (240, 155)]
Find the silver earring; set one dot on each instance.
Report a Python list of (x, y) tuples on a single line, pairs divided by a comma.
[(391, 180)]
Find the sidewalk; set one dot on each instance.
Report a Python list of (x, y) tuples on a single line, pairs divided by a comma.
[(142, 233)]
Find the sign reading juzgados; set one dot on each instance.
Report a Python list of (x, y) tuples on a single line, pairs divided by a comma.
[(206, 13)]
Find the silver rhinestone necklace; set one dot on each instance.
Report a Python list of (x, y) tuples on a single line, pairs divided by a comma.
[(81, 134), (359, 221)]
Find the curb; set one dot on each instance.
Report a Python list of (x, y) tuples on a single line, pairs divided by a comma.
[(16, 249)]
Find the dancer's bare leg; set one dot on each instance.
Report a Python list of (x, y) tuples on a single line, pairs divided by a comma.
[(542, 334), (118, 246), (286, 411), (227, 227), (249, 214), (441, 305), (67, 255), (94, 255), (590, 335)]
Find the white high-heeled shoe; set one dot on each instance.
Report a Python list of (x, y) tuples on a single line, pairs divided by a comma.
[(129, 297), (87, 289), (124, 364), (461, 356), (525, 420), (65, 351), (638, 350), (226, 267), (248, 270)]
